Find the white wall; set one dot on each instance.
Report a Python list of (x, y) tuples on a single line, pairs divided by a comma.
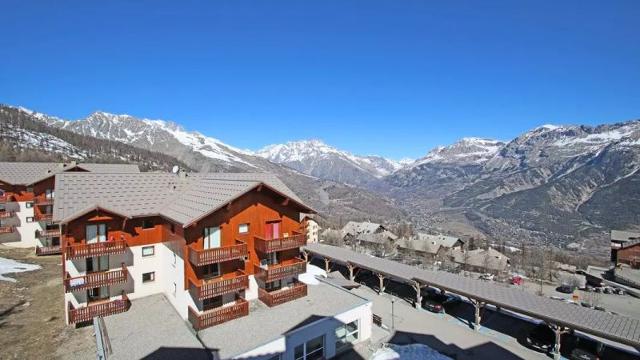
[(326, 327), (27, 230)]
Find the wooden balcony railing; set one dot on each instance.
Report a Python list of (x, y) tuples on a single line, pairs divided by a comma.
[(206, 289), (95, 249), (95, 279), (106, 308), (210, 256), (47, 234), (43, 201), (48, 250), (5, 199), (208, 318), (42, 216), (8, 229), (282, 270), (284, 243), (6, 214), (277, 297)]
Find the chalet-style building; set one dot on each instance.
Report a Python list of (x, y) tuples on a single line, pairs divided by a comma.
[(311, 227), (27, 193), (619, 239), (209, 242), (417, 249), (355, 228), (480, 260)]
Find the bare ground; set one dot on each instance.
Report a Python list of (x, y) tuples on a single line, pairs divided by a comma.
[(32, 322)]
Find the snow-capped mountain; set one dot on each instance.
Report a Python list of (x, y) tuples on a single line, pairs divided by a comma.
[(157, 135), (466, 151), (315, 158)]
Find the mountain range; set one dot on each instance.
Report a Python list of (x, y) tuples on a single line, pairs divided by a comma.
[(558, 185)]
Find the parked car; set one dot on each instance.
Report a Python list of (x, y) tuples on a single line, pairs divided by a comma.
[(565, 288), (541, 338), (517, 280), (487, 277), (608, 290), (620, 291), (585, 349), (432, 305)]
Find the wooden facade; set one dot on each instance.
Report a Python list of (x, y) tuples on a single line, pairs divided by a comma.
[(629, 255)]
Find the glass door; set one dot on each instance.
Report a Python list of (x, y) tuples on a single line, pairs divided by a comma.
[(212, 238)]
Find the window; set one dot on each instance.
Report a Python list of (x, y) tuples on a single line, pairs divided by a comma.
[(96, 233), (311, 350), (211, 237), (49, 194), (175, 288), (30, 219), (243, 228), (346, 334), (28, 205), (147, 224), (211, 270), (175, 258), (148, 251), (148, 277), (172, 228), (30, 189)]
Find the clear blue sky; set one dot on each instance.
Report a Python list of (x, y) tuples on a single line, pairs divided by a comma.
[(387, 77)]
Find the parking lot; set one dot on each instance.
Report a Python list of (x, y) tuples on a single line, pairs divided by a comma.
[(502, 335)]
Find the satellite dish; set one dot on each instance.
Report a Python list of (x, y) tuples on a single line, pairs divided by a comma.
[(175, 169)]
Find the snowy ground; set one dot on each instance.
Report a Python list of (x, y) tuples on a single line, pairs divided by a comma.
[(8, 266), (408, 352), (309, 277)]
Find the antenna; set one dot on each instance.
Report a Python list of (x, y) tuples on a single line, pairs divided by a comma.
[(175, 169)]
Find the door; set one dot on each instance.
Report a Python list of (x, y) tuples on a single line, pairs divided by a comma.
[(272, 230), (96, 233), (98, 263), (98, 294), (212, 237)]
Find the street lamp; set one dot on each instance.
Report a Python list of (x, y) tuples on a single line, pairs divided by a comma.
[(393, 318)]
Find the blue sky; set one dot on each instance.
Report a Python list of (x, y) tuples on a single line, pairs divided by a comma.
[(373, 77)]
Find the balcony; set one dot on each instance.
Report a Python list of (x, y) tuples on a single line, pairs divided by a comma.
[(48, 250), (5, 199), (208, 318), (8, 229), (236, 281), (47, 234), (95, 249), (277, 297), (7, 214), (42, 217), (92, 310), (285, 269), (95, 279), (40, 201), (284, 243), (216, 255)]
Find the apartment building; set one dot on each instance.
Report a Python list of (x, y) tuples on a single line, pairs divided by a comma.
[(27, 192), (209, 242), (312, 228)]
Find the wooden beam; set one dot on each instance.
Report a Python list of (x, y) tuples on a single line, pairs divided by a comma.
[(285, 202)]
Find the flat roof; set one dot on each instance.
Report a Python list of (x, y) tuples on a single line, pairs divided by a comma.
[(599, 323), (265, 324), (152, 329)]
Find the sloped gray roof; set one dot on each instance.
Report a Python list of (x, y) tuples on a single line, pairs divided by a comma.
[(619, 235), (418, 245), (365, 227), (377, 238), (182, 199), (442, 240), (491, 259), (27, 173), (617, 328)]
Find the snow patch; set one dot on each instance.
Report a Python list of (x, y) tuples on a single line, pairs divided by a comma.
[(309, 277), (408, 352), (9, 266)]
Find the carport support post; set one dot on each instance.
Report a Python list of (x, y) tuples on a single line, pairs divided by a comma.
[(478, 305), (417, 288), (326, 265), (381, 278), (558, 331), (351, 268)]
